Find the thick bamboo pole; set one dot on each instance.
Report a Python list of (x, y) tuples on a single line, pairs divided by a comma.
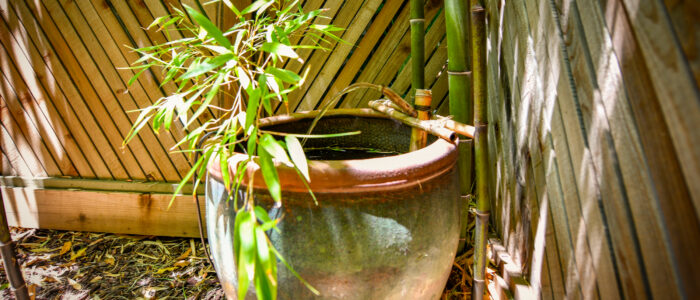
[(417, 62), (419, 138), (483, 206), (417, 46), (459, 81)]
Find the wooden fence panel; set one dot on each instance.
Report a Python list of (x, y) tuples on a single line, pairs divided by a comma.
[(581, 78)]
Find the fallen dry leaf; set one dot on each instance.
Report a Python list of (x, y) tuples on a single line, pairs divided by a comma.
[(77, 254), (65, 248), (184, 255)]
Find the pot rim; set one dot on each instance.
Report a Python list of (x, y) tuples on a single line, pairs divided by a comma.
[(353, 175)]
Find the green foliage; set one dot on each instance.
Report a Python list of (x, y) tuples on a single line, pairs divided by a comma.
[(243, 65)]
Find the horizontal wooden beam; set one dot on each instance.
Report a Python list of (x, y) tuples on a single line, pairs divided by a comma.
[(100, 206), (96, 185)]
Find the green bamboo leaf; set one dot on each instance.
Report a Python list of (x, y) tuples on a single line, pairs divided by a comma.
[(269, 172), (298, 156), (258, 6), (266, 271), (275, 149), (252, 142), (207, 25), (252, 109), (246, 255), (284, 75), (206, 66), (223, 164), (279, 49)]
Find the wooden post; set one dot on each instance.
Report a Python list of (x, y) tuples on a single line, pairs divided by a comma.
[(9, 259)]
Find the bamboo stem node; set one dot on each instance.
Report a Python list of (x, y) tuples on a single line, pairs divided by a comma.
[(459, 73), (416, 21)]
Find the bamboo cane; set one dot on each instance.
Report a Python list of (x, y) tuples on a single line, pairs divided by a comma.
[(433, 127), (483, 207), (417, 64), (459, 81), (419, 138)]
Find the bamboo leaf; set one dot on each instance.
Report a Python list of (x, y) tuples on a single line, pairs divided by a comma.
[(284, 75), (279, 49), (297, 154), (258, 6), (269, 172), (206, 66), (275, 149), (207, 25), (246, 255), (266, 271)]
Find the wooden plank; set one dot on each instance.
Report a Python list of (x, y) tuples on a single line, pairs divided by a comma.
[(673, 82), (360, 53), (337, 14), (111, 90), (640, 197), (38, 68), (175, 164), (684, 15), (6, 167), (382, 68), (23, 124), (128, 213), (601, 151), (70, 80), (667, 178), (339, 54), (11, 150), (97, 185), (345, 18)]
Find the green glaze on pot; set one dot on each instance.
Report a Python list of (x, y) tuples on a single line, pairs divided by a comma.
[(389, 234)]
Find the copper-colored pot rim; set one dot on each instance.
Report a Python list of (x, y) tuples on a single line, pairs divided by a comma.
[(355, 175)]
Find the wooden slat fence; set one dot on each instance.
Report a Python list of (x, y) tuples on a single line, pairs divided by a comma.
[(66, 106), (593, 126), (594, 117)]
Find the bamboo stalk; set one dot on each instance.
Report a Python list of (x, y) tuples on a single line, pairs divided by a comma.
[(459, 81), (419, 138), (432, 127), (417, 64), (417, 46), (483, 206)]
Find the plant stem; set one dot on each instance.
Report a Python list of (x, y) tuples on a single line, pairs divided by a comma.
[(459, 81), (483, 206)]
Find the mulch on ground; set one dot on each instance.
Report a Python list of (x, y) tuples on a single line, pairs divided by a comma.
[(85, 265)]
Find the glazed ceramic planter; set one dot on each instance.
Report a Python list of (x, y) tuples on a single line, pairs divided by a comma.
[(383, 228)]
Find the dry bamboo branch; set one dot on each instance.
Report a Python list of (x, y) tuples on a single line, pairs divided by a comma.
[(432, 127)]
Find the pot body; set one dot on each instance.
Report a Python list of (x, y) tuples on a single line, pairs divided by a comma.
[(383, 228)]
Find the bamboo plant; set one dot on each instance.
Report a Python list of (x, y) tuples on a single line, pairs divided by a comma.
[(417, 23), (244, 63), (483, 206), (460, 99)]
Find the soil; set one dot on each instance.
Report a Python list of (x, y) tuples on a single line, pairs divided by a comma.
[(85, 265)]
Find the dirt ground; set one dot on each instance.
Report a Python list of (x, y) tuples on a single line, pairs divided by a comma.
[(84, 265)]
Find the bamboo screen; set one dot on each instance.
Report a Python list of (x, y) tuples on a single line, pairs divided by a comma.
[(66, 106)]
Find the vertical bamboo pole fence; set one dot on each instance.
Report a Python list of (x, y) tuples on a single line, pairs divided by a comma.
[(483, 207), (417, 22), (460, 100)]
